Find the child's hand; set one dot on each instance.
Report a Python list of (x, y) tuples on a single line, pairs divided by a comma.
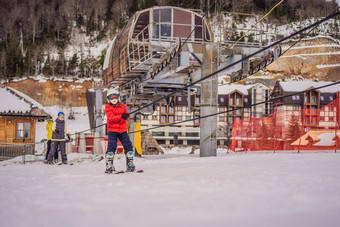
[(126, 116)]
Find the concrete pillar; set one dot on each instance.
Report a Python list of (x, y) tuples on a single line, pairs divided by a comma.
[(209, 102), (98, 110), (82, 144), (97, 146)]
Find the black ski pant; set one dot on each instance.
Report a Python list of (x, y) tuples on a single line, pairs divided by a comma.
[(124, 139), (49, 149), (54, 147)]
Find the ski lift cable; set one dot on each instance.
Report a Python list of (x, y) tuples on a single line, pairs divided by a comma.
[(232, 46), (215, 114), (230, 65), (241, 60), (239, 108)]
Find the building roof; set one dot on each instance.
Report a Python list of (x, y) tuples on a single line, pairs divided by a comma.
[(293, 86), (226, 89), (17, 103), (323, 138), (326, 139)]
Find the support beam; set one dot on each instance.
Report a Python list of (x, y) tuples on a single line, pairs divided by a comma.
[(132, 125), (209, 102)]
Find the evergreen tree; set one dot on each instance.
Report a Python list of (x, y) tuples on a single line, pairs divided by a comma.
[(47, 70), (72, 64), (134, 7), (265, 140), (294, 128), (91, 24)]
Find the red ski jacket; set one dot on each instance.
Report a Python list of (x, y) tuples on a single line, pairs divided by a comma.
[(115, 122)]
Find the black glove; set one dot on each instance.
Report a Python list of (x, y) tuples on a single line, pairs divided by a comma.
[(68, 137), (56, 130), (126, 116)]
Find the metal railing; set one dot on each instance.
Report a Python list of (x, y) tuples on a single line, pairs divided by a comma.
[(136, 52), (10, 151)]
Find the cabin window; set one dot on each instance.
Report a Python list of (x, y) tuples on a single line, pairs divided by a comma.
[(313, 99), (182, 31), (174, 23), (182, 17), (162, 20), (182, 23), (238, 101), (198, 28), (23, 130), (167, 114), (141, 23)]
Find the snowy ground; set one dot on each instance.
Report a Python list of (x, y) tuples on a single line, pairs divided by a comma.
[(176, 189)]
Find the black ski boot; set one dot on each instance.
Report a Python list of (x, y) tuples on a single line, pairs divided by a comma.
[(109, 162), (130, 167)]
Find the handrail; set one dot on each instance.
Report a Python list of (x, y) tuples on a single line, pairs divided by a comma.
[(139, 53)]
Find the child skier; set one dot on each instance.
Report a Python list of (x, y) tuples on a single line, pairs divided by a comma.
[(58, 139), (49, 138), (117, 116)]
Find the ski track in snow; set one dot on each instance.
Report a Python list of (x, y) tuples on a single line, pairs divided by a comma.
[(176, 190)]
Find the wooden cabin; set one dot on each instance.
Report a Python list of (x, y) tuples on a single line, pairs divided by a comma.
[(18, 116), (147, 36)]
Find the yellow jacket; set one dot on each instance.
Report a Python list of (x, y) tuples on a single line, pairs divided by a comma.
[(49, 130)]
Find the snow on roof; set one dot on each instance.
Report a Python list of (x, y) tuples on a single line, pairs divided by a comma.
[(293, 86), (228, 88), (326, 139), (12, 103), (16, 102)]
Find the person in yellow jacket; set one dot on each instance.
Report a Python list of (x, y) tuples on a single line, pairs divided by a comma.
[(49, 138)]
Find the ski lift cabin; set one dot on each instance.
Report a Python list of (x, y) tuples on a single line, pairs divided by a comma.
[(147, 39)]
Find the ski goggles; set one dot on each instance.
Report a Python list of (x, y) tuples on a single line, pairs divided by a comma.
[(113, 96)]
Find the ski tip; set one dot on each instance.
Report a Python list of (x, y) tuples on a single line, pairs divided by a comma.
[(139, 171)]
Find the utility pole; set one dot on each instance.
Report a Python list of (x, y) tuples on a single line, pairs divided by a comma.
[(209, 101)]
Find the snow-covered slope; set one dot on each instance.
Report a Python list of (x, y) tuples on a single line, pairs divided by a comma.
[(228, 190)]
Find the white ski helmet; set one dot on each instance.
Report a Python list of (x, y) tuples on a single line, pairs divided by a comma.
[(112, 91)]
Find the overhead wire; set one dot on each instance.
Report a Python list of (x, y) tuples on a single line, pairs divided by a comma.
[(239, 108), (239, 61), (228, 66), (232, 46), (218, 113)]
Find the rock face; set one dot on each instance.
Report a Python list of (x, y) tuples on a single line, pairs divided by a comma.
[(313, 59), (51, 93)]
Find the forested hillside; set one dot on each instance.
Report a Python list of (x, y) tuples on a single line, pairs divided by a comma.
[(36, 35)]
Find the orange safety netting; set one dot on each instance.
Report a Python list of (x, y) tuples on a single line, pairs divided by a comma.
[(304, 129)]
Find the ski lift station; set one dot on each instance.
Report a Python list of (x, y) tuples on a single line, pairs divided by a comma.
[(144, 57), (163, 49)]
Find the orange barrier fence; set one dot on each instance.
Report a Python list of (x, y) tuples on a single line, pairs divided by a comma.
[(304, 129)]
